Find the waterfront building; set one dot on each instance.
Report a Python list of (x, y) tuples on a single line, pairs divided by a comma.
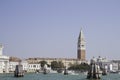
[(13, 61), (107, 64), (12, 66), (66, 61), (117, 61), (104, 63), (33, 67), (81, 47), (4, 61), (25, 65), (16, 61), (114, 66)]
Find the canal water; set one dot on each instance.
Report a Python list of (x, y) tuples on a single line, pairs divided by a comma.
[(55, 76)]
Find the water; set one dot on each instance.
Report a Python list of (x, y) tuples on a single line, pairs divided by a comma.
[(57, 76)]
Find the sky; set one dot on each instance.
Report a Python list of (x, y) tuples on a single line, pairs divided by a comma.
[(50, 28)]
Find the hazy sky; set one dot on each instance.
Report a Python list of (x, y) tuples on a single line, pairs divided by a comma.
[(50, 28)]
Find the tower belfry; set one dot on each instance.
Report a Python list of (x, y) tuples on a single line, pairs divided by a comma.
[(81, 47)]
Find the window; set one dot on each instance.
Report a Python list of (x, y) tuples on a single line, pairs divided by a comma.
[(34, 66)]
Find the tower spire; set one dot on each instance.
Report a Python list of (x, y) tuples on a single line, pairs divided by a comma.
[(81, 36)]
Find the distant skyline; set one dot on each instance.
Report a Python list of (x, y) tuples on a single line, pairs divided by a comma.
[(50, 28)]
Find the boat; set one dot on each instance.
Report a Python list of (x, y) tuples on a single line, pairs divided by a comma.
[(60, 70), (72, 72), (114, 71), (85, 73), (19, 71), (45, 71), (53, 71), (104, 72), (65, 71)]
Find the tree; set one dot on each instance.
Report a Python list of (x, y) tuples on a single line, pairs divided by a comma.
[(60, 64), (43, 63), (80, 67), (55, 65)]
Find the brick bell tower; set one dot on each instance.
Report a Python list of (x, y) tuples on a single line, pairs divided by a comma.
[(81, 48)]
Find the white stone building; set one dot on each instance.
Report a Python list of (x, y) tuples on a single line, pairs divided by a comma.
[(32, 67), (107, 64), (114, 66), (25, 65), (4, 61), (12, 65)]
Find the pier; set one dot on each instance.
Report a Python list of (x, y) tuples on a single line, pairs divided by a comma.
[(94, 72), (19, 71)]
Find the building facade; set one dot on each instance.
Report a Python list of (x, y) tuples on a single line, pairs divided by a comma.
[(4, 61), (107, 64), (12, 66), (25, 65), (33, 67)]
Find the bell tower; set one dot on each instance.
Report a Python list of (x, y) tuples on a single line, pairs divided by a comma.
[(81, 47)]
